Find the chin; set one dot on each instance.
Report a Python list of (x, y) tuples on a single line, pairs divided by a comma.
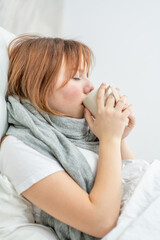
[(80, 113)]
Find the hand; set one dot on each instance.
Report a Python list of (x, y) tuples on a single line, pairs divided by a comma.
[(110, 119), (131, 123), (130, 126)]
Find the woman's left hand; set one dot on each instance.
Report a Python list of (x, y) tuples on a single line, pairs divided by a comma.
[(131, 123)]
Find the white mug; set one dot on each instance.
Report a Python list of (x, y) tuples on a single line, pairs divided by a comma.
[(90, 101)]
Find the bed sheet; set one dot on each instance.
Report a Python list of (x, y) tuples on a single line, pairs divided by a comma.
[(140, 208)]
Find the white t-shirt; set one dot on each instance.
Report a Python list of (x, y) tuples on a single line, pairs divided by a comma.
[(24, 166), (21, 167)]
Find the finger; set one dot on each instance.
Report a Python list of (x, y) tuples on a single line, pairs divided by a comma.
[(100, 97), (118, 90), (89, 118), (127, 111), (125, 106), (132, 120), (121, 103), (110, 103)]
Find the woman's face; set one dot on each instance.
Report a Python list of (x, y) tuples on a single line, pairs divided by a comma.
[(68, 99)]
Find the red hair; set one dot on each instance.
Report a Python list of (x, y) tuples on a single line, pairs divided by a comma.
[(35, 63)]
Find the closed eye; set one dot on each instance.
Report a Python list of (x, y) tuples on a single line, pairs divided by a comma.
[(77, 78)]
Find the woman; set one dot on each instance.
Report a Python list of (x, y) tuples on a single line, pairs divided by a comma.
[(59, 160)]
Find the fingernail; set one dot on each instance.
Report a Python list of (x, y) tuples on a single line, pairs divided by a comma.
[(103, 84)]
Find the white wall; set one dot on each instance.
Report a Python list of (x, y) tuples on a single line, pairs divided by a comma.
[(125, 37)]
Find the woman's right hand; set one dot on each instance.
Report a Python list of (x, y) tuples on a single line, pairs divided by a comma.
[(110, 119)]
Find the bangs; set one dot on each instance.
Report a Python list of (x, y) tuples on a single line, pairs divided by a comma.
[(76, 54)]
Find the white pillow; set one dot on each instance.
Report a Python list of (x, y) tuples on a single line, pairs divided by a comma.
[(5, 38)]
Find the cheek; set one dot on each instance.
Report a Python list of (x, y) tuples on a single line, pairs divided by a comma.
[(72, 92)]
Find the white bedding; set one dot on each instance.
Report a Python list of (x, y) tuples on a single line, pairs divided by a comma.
[(140, 215), (140, 208)]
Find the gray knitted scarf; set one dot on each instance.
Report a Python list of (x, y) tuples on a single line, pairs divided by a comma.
[(56, 137)]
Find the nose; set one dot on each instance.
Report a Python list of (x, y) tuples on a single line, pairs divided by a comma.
[(88, 86)]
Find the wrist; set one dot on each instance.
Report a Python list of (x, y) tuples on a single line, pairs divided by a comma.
[(110, 140), (126, 153)]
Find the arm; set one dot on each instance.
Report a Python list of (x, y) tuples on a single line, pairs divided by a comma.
[(106, 193), (125, 151), (95, 213)]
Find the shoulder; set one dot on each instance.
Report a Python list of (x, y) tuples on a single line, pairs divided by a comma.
[(12, 146), (15, 148), (23, 165)]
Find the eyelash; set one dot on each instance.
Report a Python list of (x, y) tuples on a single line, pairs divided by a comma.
[(76, 78)]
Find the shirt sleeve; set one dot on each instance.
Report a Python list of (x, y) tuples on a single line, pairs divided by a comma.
[(23, 165)]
